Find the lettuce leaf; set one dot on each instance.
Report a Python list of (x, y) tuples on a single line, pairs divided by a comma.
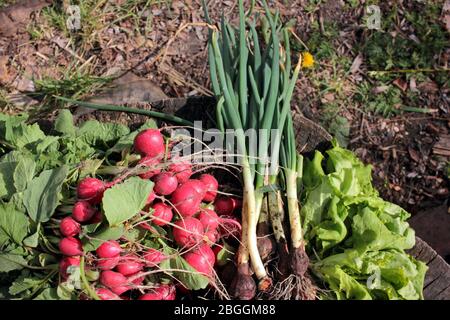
[(358, 238)]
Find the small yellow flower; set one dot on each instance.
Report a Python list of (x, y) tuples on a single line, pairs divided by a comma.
[(308, 60)]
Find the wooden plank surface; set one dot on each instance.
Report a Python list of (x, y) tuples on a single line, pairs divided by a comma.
[(437, 278)]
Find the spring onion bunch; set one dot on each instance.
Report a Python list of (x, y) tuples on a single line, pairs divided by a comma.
[(254, 83)]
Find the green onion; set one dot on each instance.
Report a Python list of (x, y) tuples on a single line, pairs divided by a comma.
[(109, 107), (254, 90)]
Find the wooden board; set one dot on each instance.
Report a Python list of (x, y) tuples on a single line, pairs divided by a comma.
[(437, 278), (310, 136)]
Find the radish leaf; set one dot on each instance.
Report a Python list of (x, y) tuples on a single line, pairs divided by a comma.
[(187, 275), (106, 233), (94, 132), (10, 261), (43, 194), (126, 199), (23, 173), (13, 225), (64, 123)]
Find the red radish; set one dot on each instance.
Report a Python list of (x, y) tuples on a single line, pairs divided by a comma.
[(151, 296), (163, 292), (207, 252), (188, 232), (70, 246), (168, 291), (213, 235), (69, 227), (146, 226), (108, 263), (201, 259), (83, 211), (91, 189), (109, 249), (165, 183), (162, 214), (151, 197), (186, 200), (65, 263), (150, 143), (209, 219), (105, 294), (153, 257), (151, 163), (211, 185), (129, 265), (97, 218), (224, 205), (237, 203), (229, 226), (120, 289), (112, 279), (198, 186), (181, 170), (138, 281)]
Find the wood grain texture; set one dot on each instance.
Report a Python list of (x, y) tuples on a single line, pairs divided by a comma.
[(437, 278)]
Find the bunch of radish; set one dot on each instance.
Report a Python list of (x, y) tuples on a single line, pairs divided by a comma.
[(185, 203)]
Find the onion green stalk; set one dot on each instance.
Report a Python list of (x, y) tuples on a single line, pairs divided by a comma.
[(254, 84), (231, 116), (110, 107)]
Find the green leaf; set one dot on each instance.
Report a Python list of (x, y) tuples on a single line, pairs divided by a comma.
[(23, 135), (13, 224), (46, 259), (9, 262), (135, 234), (48, 294), (191, 279), (22, 284), (17, 201), (93, 241), (42, 195), (49, 144), (64, 122), (94, 132), (89, 167), (92, 275), (33, 240), (370, 233), (225, 255), (188, 276), (313, 170), (126, 199), (23, 173), (344, 285), (74, 279), (358, 239), (65, 291), (7, 122), (91, 228), (7, 169), (76, 150)]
